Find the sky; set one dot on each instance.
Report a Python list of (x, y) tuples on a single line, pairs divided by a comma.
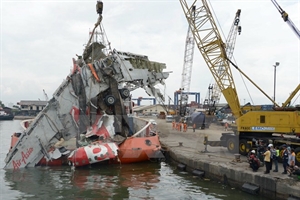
[(40, 38)]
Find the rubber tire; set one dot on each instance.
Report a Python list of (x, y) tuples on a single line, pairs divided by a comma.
[(232, 145), (110, 100), (125, 93), (244, 147)]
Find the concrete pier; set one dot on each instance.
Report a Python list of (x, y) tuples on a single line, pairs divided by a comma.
[(188, 151)]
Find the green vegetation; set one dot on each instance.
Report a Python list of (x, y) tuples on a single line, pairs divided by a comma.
[(1, 104)]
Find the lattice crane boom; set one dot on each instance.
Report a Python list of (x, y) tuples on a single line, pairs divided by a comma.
[(188, 61), (230, 44), (212, 48), (186, 75), (187, 69)]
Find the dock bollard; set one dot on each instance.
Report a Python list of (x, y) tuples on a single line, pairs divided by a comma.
[(237, 157), (205, 143)]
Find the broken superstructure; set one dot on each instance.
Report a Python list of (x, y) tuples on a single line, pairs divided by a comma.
[(98, 85)]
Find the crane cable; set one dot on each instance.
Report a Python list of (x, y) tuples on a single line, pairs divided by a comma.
[(216, 18)]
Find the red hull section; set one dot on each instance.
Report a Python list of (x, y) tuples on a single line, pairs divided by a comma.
[(131, 150), (93, 153), (57, 162), (139, 149)]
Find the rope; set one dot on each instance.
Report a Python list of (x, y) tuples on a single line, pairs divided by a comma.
[(92, 34)]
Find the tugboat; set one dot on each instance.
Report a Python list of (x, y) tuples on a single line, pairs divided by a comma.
[(6, 116)]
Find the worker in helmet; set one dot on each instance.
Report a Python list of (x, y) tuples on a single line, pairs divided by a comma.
[(253, 161), (99, 7)]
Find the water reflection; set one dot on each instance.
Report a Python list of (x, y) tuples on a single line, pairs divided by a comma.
[(115, 180), (105, 182)]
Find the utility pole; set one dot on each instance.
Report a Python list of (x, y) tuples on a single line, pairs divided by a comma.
[(276, 65)]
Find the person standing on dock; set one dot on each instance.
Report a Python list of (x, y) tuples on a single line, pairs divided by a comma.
[(285, 158), (267, 160), (194, 127), (275, 153), (226, 126), (173, 124), (272, 151), (180, 126), (177, 126), (291, 162), (184, 127)]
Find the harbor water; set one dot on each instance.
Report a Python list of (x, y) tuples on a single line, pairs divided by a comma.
[(151, 180)]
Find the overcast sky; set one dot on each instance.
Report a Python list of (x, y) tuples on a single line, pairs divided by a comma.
[(40, 38)]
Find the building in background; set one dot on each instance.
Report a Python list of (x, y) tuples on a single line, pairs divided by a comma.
[(31, 108)]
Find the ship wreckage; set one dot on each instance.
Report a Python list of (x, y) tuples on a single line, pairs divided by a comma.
[(89, 120)]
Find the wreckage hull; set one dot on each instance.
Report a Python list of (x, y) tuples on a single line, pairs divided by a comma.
[(92, 104), (133, 150), (142, 146), (139, 149)]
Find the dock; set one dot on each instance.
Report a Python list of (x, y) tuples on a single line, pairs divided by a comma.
[(189, 153)]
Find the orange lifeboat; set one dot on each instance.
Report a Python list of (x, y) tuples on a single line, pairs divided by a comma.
[(139, 149)]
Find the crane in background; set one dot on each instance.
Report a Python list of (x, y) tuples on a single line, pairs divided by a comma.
[(141, 98), (261, 124), (214, 92), (187, 70), (286, 18)]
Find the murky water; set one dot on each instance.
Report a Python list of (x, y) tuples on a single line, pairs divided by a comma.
[(130, 181)]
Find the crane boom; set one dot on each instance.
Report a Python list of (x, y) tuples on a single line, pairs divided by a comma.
[(187, 69), (286, 18), (188, 60), (212, 48), (230, 44)]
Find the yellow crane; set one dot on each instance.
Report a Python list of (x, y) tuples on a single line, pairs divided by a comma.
[(252, 125), (214, 92)]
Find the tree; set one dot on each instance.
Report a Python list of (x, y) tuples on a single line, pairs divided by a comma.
[(1, 104)]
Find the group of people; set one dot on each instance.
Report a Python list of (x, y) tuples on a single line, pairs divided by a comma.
[(271, 155), (288, 160), (179, 126)]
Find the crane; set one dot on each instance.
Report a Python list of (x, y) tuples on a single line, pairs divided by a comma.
[(251, 125), (141, 98), (286, 18), (187, 70), (212, 48), (214, 93)]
